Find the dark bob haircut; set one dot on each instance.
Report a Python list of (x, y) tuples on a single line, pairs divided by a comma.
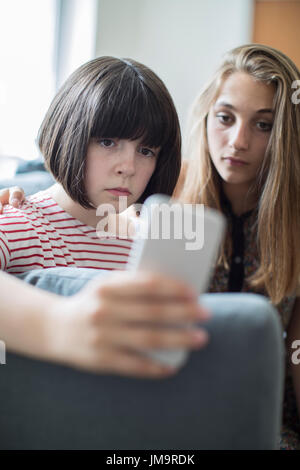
[(113, 98)]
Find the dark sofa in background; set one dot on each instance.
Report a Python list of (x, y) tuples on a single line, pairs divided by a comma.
[(30, 175)]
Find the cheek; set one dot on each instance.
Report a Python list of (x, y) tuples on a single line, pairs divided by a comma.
[(216, 139), (261, 146), (145, 171), (96, 171)]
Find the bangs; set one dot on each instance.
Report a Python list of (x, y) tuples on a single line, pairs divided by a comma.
[(128, 109), (115, 99)]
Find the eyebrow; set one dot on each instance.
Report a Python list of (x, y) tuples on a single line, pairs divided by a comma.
[(230, 106)]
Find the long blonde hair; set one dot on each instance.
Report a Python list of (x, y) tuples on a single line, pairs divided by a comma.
[(278, 221)]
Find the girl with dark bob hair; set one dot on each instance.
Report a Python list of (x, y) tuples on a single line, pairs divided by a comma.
[(111, 98), (111, 131)]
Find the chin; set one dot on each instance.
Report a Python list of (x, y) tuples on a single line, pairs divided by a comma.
[(234, 179)]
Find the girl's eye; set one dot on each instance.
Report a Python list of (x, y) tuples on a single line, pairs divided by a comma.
[(264, 126), (107, 143), (224, 118), (147, 152)]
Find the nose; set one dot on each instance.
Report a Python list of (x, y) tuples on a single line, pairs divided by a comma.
[(240, 138), (126, 160)]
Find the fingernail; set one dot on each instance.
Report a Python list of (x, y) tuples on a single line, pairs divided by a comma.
[(191, 294), (15, 202), (200, 337), (169, 370), (204, 314)]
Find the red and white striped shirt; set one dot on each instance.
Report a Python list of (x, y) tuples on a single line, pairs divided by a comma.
[(42, 235)]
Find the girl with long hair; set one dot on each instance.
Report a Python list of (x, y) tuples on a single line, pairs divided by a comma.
[(244, 149)]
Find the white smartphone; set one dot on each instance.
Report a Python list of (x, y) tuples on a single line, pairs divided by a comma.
[(179, 240)]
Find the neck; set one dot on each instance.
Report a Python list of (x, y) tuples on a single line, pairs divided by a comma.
[(240, 198), (86, 216)]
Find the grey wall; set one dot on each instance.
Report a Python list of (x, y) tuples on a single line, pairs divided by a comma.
[(181, 40)]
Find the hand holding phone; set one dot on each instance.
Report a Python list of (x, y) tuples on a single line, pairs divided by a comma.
[(179, 240)]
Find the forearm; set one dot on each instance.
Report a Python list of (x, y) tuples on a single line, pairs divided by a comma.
[(26, 318)]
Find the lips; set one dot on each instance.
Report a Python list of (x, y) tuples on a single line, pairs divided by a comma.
[(120, 191), (235, 161)]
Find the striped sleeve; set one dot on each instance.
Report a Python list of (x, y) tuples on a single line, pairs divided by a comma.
[(4, 251)]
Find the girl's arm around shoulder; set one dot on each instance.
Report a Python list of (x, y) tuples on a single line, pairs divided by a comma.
[(293, 349), (14, 196)]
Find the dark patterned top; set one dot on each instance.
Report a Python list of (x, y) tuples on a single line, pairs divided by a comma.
[(244, 263)]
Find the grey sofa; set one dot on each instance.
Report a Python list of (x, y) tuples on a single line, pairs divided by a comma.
[(227, 396)]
